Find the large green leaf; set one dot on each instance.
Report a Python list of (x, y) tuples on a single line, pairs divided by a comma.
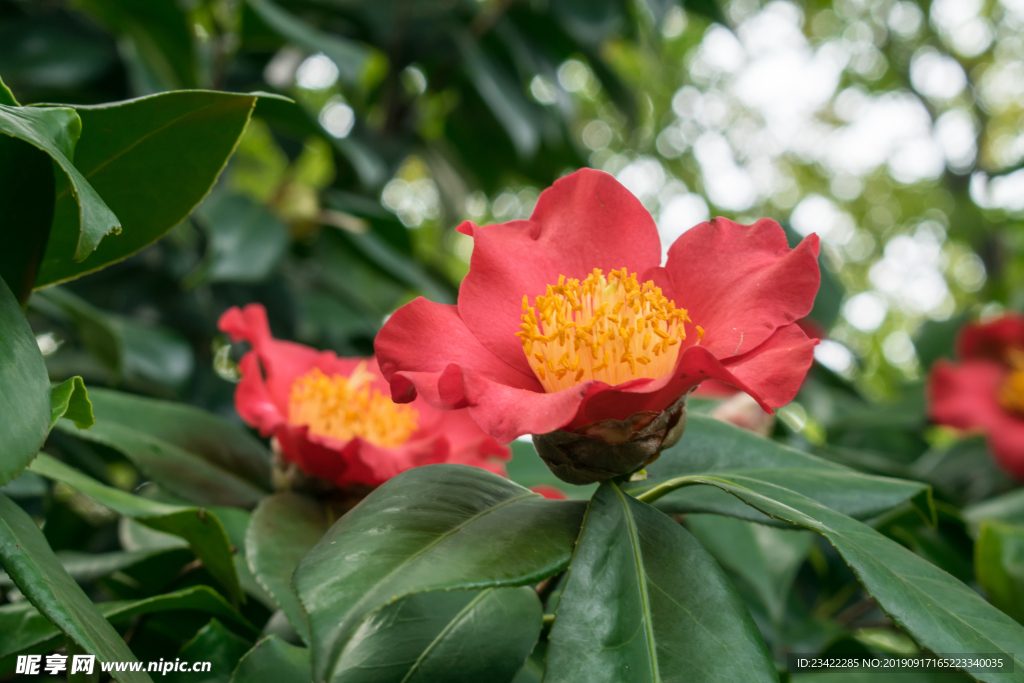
[(55, 130), (28, 559), (26, 195), (762, 559), (439, 527), (999, 566), (710, 446), (644, 601), (202, 529), (216, 645), (272, 661), (455, 637), (152, 160), (191, 453), (283, 529), (24, 629), (939, 612), (24, 390)]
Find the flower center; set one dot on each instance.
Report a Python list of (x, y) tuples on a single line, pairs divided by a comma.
[(346, 407), (1011, 393), (611, 329)]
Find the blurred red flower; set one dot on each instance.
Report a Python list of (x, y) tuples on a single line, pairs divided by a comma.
[(333, 417), (984, 390), (567, 319)]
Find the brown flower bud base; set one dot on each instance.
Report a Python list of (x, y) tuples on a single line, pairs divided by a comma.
[(611, 448)]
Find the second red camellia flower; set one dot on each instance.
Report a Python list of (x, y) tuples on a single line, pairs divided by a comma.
[(568, 326), (984, 390), (333, 417)]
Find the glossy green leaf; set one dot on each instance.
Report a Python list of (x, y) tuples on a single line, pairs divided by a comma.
[(762, 559), (273, 661), (27, 198), (999, 566), (86, 567), (246, 241), (283, 529), (456, 637), (24, 629), (940, 613), (709, 446), (70, 400), (24, 390), (152, 160), (55, 130), (350, 57), (440, 527), (644, 601), (191, 453), (28, 559), (202, 529), (216, 645)]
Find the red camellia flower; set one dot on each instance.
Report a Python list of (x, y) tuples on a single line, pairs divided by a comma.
[(566, 321), (985, 389), (333, 417)]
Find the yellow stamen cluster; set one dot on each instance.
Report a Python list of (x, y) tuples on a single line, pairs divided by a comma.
[(1011, 393), (346, 407), (611, 329)]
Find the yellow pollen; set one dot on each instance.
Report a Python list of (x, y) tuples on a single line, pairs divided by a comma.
[(601, 329), (1011, 393), (343, 408)]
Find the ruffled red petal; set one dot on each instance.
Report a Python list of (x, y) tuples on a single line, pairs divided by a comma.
[(741, 283), (419, 342), (991, 339), (585, 220), (775, 370), (964, 396)]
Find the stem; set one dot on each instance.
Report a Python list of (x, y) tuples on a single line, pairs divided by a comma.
[(654, 493)]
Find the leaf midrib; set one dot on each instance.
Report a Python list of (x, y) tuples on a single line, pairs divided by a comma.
[(645, 598), (444, 632)]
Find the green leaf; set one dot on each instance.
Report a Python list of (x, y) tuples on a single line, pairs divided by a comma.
[(24, 629), (999, 566), (28, 559), (246, 241), (709, 446), (272, 661), (940, 613), (504, 97), (455, 637), (95, 329), (1005, 508), (216, 645), (283, 529), (152, 160), (644, 601), (202, 529), (27, 196), (24, 390), (191, 453), (439, 527), (86, 567), (70, 400), (763, 559), (55, 130), (349, 56), (6, 96)]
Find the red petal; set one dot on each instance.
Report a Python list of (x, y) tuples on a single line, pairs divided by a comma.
[(775, 370), (585, 220), (964, 396), (549, 492), (253, 401), (991, 339), (741, 283), (422, 339)]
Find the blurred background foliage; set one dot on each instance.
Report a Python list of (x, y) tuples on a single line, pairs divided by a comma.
[(890, 128)]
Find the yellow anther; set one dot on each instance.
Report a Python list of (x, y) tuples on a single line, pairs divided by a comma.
[(343, 408), (601, 328)]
